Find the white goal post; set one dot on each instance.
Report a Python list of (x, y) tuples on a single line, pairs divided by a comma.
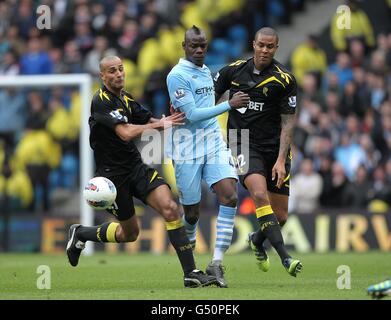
[(84, 83)]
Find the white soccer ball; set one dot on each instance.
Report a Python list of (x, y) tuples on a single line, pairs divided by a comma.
[(100, 193)]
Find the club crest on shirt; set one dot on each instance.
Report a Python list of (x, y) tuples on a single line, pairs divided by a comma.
[(180, 93), (117, 115)]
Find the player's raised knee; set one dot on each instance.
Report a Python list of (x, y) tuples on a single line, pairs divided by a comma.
[(170, 211)]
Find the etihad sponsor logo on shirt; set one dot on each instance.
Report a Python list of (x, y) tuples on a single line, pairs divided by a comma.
[(292, 101), (180, 93), (252, 105), (205, 90)]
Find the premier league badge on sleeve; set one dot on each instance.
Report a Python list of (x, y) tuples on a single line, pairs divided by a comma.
[(292, 101), (180, 93)]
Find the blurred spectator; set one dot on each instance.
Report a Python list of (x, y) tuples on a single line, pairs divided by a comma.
[(82, 13), (336, 194), (357, 53), (36, 114), (148, 26), (382, 42), (4, 14), (130, 41), (9, 64), (73, 60), (155, 92), (38, 154), (342, 69), (360, 28), (351, 102), (4, 46), (35, 61), (359, 190), (317, 147), (58, 10), (306, 188), (92, 60), (58, 122), (168, 10), (378, 63), (372, 155), (326, 163), (99, 17), (83, 38), (16, 191), (14, 40), (352, 127), (372, 124), (380, 189), (113, 29), (24, 17), (349, 154), (331, 83), (57, 58), (332, 102), (310, 90), (12, 115), (378, 91), (309, 58)]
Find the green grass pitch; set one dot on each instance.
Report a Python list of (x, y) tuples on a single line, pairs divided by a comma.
[(148, 276)]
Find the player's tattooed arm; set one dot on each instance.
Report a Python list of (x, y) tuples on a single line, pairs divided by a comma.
[(286, 138)]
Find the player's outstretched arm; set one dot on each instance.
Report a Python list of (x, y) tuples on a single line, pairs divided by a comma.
[(128, 132), (238, 100), (182, 99)]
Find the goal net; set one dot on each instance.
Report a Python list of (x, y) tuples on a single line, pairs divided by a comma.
[(83, 82)]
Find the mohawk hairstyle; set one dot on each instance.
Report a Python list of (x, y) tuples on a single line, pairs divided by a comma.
[(194, 29)]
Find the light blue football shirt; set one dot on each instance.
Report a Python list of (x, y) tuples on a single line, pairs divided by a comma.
[(191, 90)]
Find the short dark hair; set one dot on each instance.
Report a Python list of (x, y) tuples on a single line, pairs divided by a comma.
[(267, 31)]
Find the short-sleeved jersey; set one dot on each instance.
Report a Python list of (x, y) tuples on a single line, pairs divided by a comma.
[(114, 156), (189, 84), (272, 92)]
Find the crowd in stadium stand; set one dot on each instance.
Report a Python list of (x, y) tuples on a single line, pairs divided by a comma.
[(343, 137), (344, 125)]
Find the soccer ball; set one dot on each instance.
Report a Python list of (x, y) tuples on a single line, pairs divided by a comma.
[(100, 193)]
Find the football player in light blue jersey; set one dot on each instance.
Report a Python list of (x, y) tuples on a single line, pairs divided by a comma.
[(198, 149)]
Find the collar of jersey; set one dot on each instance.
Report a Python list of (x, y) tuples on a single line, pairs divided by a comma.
[(188, 63), (251, 67), (112, 93)]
